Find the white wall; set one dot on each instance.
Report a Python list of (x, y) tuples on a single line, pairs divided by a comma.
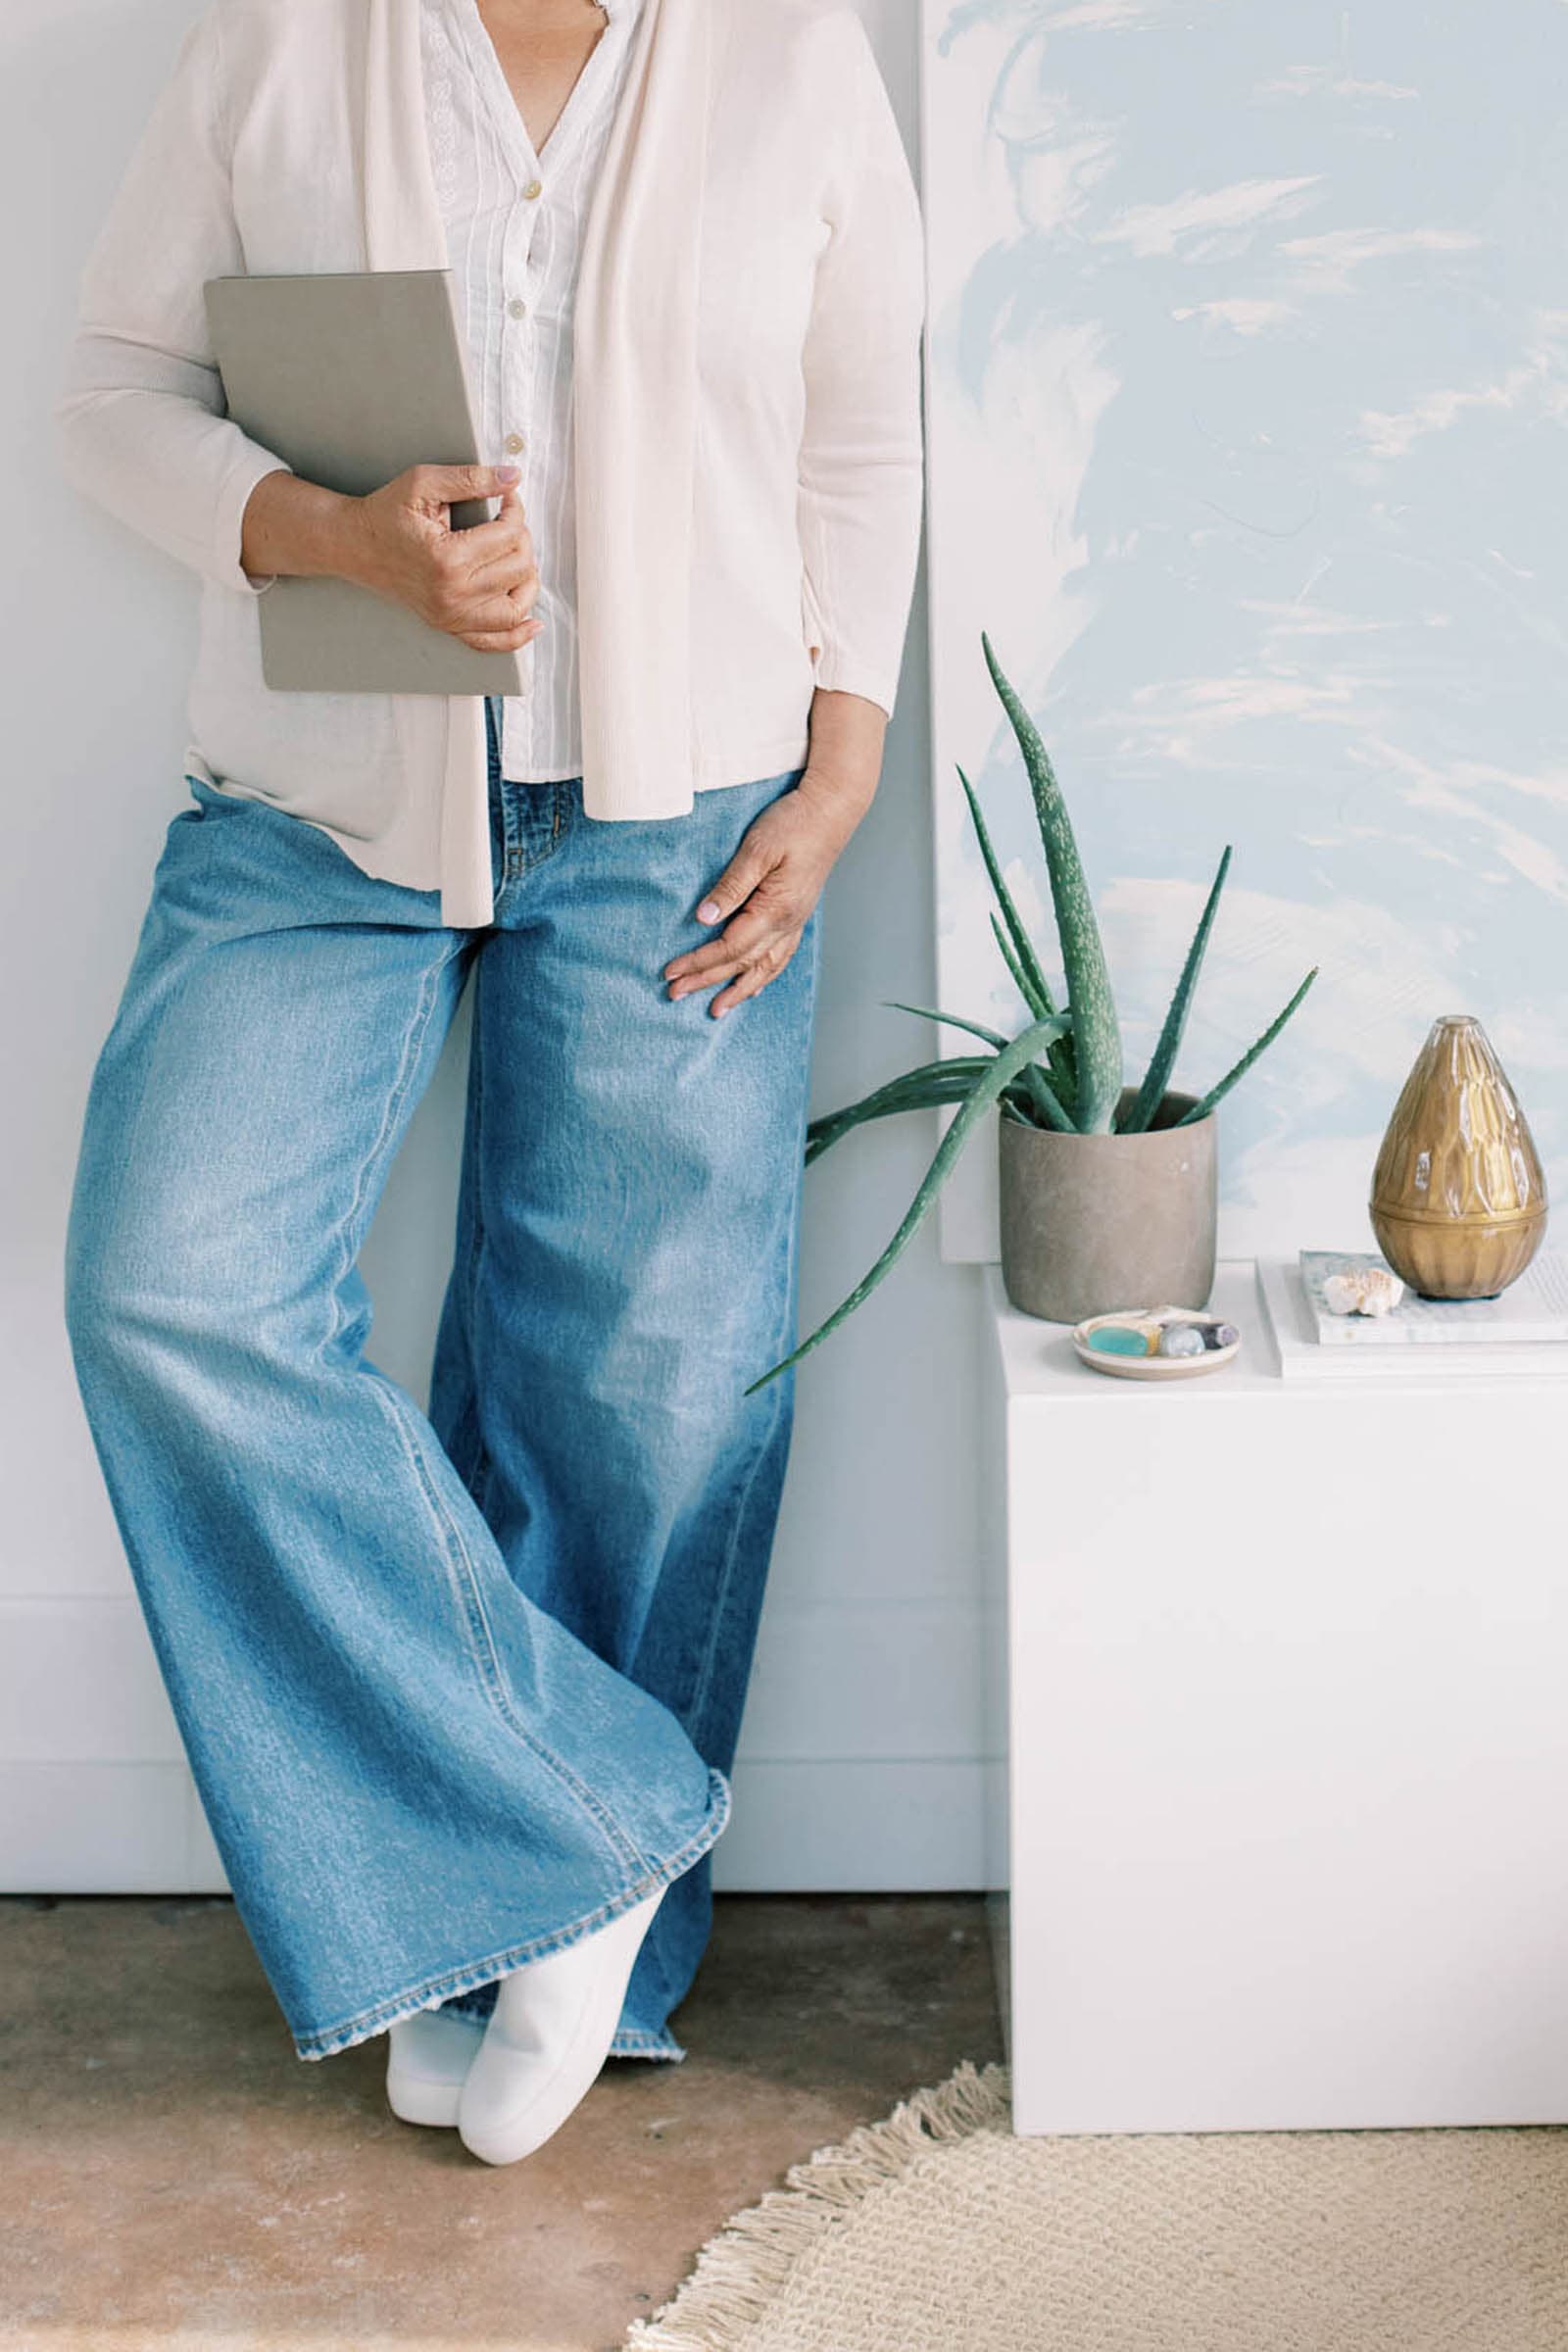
[(863, 1750)]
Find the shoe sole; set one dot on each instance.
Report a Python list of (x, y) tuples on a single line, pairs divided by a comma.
[(414, 2100)]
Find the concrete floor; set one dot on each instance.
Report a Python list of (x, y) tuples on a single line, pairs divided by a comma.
[(172, 2176)]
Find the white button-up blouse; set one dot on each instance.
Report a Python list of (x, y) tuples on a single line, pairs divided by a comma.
[(515, 224), (746, 403)]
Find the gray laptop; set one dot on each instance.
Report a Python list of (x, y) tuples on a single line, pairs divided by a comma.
[(350, 377)]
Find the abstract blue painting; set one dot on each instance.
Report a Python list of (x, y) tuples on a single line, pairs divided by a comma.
[(1247, 435)]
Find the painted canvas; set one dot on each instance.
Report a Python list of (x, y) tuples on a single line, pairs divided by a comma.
[(1247, 433)]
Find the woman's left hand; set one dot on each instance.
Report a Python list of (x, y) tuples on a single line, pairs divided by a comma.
[(765, 895)]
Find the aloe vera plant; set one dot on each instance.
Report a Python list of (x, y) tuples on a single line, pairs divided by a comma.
[(1064, 1070)]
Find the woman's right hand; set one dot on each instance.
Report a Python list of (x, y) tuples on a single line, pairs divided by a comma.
[(479, 584)]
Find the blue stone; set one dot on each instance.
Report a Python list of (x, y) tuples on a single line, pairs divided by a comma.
[(1117, 1339)]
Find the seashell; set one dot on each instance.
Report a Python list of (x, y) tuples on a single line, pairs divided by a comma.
[(1368, 1291)]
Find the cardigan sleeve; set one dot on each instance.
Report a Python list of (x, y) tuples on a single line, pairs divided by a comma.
[(861, 466), (139, 419)]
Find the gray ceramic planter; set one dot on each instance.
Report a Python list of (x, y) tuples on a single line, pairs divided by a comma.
[(1091, 1222)]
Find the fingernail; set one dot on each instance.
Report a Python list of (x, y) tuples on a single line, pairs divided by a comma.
[(709, 911), (509, 473)]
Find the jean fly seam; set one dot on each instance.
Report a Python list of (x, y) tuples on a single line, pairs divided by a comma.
[(560, 830)]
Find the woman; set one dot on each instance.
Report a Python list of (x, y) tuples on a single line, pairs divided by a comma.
[(462, 1691)]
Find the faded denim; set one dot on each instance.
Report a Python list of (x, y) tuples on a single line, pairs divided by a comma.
[(455, 1688)]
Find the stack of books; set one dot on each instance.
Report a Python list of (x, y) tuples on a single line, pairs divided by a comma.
[(1521, 1333)]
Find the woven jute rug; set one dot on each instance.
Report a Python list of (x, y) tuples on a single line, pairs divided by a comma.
[(938, 2231)]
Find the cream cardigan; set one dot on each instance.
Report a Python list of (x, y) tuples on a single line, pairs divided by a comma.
[(748, 439)]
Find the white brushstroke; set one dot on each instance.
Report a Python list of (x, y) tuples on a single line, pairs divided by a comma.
[(1310, 621), (1198, 217), (1455, 793), (1323, 81), (1185, 720), (1288, 1191), (1395, 434), (1055, 179), (1330, 262), (1240, 315), (1379, 974), (1103, 15), (1532, 1036)]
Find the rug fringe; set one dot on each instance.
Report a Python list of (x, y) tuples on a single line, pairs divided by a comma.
[(744, 2269)]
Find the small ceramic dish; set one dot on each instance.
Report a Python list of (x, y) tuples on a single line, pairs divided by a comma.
[(1109, 1342)]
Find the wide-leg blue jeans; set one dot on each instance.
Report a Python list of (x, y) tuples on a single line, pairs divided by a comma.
[(455, 1688)]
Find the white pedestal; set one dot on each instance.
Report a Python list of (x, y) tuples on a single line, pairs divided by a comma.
[(1286, 1717)]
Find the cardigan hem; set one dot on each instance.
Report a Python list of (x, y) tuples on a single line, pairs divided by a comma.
[(715, 772)]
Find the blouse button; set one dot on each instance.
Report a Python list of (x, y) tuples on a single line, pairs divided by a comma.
[(535, 187), (512, 443), (517, 307)]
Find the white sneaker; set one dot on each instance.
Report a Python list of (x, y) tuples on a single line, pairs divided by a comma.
[(430, 2055), (548, 2038)]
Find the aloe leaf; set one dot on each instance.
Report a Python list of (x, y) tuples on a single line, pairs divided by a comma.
[(917, 1090), (1051, 1114), (1200, 1111), (1048, 1105), (1032, 984), (1059, 1060), (1152, 1093), (1063, 1075), (923, 1012), (1097, 1036), (1046, 1096), (930, 1088), (982, 1095), (1016, 1102), (1020, 978), (1049, 1109)]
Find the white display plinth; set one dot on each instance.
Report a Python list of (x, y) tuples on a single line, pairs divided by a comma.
[(1285, 1706)]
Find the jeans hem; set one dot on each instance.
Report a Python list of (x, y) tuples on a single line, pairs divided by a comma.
[(326, 2041), (632, 2042)]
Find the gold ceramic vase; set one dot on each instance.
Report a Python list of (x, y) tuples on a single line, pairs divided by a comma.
[(1458, 1199)]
